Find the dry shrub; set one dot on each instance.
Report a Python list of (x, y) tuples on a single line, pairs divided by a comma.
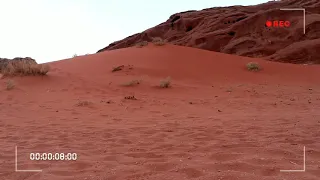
[(130, 97), (43, 69), (118, 68), (8, 70), (158, 41), (24, 67), (142, 44), (83, 103), (253, 66), (10, 84), (165, 83)]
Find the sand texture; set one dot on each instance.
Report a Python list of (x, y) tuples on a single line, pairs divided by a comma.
[(217, 121)]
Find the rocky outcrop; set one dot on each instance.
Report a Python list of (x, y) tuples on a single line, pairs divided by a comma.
[(241, 30)]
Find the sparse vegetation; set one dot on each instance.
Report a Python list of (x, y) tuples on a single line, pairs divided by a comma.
[(8, 70), (24, 67), (165, 83), (75, 55), (108, 102), (158, 41), (118, 68), (253, 66), (10, 84), (83, 103), (132, 83), (43, 69), (130, 97), (141, 44)]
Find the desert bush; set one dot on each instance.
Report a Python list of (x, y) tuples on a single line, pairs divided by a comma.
[(141, 44), (253, 66), (43, 69), (10, 84), (3, 63), (118, 68), (8, 70), (24, 68), (158, 41), (130, 97), (165, 83), (82, 103)]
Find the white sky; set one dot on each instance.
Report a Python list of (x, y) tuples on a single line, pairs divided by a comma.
[(49, 30)]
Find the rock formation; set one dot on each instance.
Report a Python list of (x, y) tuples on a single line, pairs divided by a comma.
[(242, 30)]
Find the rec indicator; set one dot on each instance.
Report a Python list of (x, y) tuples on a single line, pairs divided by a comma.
[(276, 23)]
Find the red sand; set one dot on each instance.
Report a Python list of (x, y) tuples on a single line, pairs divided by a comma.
[(241, 30), (218, 121)]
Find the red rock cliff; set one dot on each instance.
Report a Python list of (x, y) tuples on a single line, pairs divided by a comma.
[(241, 30)]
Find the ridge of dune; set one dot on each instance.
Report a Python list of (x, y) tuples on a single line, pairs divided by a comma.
[(188, 63), (240, 30)]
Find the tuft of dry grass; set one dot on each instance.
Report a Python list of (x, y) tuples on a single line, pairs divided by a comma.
[(253, 66), (118, 68), (158, 41), (42, 69), (132, 83), (130, 97), (165, 83), (142, 44), (9, 70), (25, 68), (83, 103), (10, 84)]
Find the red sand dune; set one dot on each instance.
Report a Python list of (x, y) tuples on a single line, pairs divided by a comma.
[(241, 30), (217, 121)]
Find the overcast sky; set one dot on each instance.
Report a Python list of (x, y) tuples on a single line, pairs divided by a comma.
[(49, 30)]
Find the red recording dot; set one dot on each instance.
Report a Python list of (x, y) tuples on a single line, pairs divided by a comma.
[(268, 23)]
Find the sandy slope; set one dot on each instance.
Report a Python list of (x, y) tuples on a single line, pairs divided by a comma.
[(218, 121)]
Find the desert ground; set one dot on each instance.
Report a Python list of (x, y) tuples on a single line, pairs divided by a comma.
[(217, 120)]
